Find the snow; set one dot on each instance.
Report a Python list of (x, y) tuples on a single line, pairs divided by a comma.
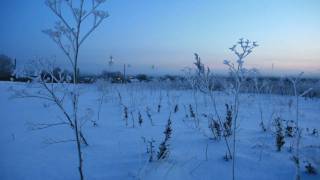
[(119, 152)]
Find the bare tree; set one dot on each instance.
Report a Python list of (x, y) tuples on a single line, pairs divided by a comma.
[(69, 33), (296, 157), (241, 49)]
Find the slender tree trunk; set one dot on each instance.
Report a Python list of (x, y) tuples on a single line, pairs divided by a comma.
[(77, 134), (236, 111), (76, 96), (72, 31)]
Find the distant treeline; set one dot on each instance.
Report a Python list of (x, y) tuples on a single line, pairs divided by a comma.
[(272, 85), (267, 85)]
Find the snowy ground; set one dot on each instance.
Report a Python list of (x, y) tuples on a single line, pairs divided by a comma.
[(119, 152)]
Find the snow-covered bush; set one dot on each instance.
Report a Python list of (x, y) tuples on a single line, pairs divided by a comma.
[(279, 133), (164, 150), (201, 79), (227, 125), (290, 129), (215, 128), (176, 108), (140, 119), (310, 169), (191, 111)]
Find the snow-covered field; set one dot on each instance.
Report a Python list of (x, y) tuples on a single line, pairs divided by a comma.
[(117, 151)]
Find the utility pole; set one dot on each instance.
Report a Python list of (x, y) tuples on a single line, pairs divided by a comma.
[(124, 74), (111, 62)]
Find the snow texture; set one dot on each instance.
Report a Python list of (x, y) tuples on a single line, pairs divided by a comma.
[(119, 152)]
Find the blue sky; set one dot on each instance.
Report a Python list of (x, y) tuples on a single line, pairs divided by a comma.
[(166, 33)]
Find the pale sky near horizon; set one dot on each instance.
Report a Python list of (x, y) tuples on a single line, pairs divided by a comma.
[(166, 33)]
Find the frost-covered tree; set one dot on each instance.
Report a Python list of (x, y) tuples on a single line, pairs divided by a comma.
[(238, 73), (77, 20), (69, 35), (296, 157)]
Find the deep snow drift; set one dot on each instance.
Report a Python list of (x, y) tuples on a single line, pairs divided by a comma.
[(117, 151)]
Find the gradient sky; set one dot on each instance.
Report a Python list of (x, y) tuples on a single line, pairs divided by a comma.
[(166, 33)]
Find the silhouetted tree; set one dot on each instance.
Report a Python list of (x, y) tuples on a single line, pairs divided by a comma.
[(6, 67)]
